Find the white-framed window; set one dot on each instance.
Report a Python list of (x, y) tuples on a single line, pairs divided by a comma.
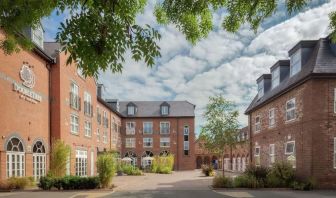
[(271, 154), (130, 128), (37, 36), (164, 110), (15, 158), (186, 130), (295, 63), (147, 142), (74, 96), (260, 88), (87, 104), (290, 148), (335, 100), (74, 123), (88, 128), (275, 77), (165, 142), (81, 163), (105, 136), (335, 152), (271, 117), (39, 160), (164, 127), (186, 139), (98, 135), (186, 145), (130, 142), (290, 109), (105, 119), (131, 110), (257, 155), (148, 128), (257, 124)]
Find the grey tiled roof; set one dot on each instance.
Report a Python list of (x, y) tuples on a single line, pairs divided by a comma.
[(322, 61), (51, 48), (152, 108)]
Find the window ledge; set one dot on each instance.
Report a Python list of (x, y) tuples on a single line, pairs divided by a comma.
[(73, 133)]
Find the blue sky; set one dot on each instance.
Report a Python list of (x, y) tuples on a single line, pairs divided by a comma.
[(222, 63)]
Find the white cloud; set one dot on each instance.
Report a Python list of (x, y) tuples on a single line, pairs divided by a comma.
[(220, 63)]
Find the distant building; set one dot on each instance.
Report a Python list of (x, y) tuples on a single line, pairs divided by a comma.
[(293, 116)]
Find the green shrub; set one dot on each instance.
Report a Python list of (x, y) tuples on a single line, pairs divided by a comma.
[(58, 158), (106, 167), (304, 185), (20, 182), (208, 170), (163, 164), (46, 183), (4, 185), (129, 169), (259, 172), (222, 182), (280, 175)]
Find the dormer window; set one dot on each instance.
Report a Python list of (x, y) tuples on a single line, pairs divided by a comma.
[(164, 107), (260, 88), (295, 63), (131, 109), (37, 36), (275, 77)]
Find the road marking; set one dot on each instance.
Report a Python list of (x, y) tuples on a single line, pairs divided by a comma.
[(91, 195), (236, 194)]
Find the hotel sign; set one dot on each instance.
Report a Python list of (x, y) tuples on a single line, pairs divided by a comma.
[(28, 77)]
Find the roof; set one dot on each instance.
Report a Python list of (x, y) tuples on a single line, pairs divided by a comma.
[(152, 108), (51, 48), (321, 62), (102, 101)]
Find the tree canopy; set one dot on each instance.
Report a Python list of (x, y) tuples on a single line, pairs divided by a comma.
[(100, 32)]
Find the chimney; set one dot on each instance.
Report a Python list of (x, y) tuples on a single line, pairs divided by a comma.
[(114, 103), (100, 90)]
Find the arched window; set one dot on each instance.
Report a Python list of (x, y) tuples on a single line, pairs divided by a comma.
[(133, 156), (39, 160), (146, 159), (15, 158), (164, 153)]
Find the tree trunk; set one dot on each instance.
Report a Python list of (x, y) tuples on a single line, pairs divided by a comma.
[(223, 164), (231, 158)]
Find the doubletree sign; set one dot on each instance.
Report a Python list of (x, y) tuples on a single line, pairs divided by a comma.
[(28, 77)]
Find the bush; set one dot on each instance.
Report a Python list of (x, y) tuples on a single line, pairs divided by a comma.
[(304, 185), (58, 158), (20, 182), (259, 172), (4, 185), (129, 169), (69, 183), (106, 167), (280, 175), (163, 164), (222, 182), (208, 170)]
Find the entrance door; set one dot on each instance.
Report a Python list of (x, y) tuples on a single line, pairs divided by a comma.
[(15, 164)]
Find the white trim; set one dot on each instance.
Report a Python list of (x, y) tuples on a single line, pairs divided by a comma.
[(271, 118), (143, 128), (129, 142), (291, 109), (164, 140), (165, 122), (74, 124), (144, 140), (334, 152), (130, 131)]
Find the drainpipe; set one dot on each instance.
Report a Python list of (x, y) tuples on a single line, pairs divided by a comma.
[(49, 108), (177, 145)]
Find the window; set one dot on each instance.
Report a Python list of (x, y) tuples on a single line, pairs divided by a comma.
[(164, 127), (74, 96), (148, 127), (98, 135), (164, 110), (290, 110), (257, 155), (335, 100), (271, 154), (257, 124), (81, 163), (147, 142), (271, 117), (260, 88), (87, 104), (295, 63), (105, 119), (98, 116), (130, 110), (165, 142), (74, 123), (88, 129), (39, 160), (105, 136), (186, 130), (334, 152), (130, 142), (275, 77), (290, 148), (37, 36), (130, 128), (186, 140), (15, 158), (133, 156)]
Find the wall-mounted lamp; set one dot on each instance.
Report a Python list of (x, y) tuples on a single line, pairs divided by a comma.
[(3, 137)]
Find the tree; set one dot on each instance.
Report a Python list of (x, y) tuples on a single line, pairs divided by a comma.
[(106, 168), (100, 32), (221, 127), (59, 155)]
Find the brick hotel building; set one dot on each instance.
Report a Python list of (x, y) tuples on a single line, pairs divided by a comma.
[(44, 99), (293, 116)]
